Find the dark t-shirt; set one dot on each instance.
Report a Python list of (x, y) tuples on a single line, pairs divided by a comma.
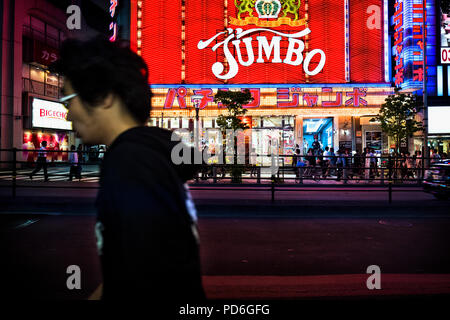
[(311, 160), (316, 145), (145, 232)]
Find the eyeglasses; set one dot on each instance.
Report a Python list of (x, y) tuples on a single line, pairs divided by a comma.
[(66, 99)]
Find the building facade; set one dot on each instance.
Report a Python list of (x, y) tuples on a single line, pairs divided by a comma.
[(420, 46), (314, 68), (32, 32)]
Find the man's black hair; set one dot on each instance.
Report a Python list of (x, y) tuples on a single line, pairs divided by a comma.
[(44, 143), (98, 67)]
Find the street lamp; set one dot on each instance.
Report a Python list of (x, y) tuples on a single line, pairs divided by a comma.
[(196, 99)]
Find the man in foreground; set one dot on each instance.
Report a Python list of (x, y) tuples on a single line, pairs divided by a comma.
[(146, 228)]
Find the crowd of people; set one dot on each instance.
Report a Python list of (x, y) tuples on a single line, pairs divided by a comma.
[(318, 163)]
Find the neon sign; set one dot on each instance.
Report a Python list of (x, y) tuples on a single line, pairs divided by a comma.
[(113, 24), (398, 44), (295, 47), (276, 97), (409, 46)]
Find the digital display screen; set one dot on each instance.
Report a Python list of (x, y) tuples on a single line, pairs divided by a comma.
[(49, 114), (438, 120)]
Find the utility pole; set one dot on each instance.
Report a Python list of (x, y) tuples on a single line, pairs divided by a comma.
[(425, 92), (196, 99)]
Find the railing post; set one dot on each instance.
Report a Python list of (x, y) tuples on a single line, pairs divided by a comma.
[(214, 170), (273, 187), (422, 169), (258, 175), (300, 175), (390, 179), (390, 191), (14, 171), (418, 170)]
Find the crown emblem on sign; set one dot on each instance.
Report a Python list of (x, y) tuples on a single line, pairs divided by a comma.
[(268, 8)]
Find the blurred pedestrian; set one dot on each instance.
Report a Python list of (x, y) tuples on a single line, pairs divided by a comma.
[(41, 162), (435, 157), (367, 160), (346, 164), (310, 163), (80, 155), (357, 165), (73, 160), (333, 159), (419, 164), (339, 164), (326, 162), (253, 161), (409, 166), (373, 164), (146, 222)]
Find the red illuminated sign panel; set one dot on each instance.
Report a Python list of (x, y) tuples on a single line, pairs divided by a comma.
[(418, 36), (263, 41)]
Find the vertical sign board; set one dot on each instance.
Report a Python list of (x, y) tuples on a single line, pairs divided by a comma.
[(413, 22), (398, 53), (113, 13), (445, 31)]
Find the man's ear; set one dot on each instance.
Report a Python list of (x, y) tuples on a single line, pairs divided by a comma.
[(108, 101)]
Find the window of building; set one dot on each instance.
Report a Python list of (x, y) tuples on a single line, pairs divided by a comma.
[(36, 29)]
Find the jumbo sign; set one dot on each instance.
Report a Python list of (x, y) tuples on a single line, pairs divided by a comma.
[(296, 48), (266, 9)]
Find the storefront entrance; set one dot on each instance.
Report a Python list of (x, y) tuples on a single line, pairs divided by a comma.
[(320, 129)]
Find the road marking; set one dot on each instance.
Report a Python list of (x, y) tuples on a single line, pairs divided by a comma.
[(26, 224)]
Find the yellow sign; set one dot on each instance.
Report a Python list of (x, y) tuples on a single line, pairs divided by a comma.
[(264, 23)]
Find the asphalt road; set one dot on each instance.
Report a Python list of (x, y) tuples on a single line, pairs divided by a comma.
[(311, 242), (246, 258)]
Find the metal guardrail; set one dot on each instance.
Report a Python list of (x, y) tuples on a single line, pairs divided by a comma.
[(384, 171)]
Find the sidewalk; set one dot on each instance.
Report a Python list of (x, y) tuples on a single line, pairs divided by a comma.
[(326, 286), (226, 199)]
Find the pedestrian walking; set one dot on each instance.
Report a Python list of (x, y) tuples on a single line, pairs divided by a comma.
[(146, 226), (366, 157), (402, 166), (373, 164), (298, 166), (409, 166), (357, 165), (339, 164), (326, 162), (310, 163), (73, 160), (333, 159), (253, 160), (346, 164), (419, 164), (41, 162), (435, 157), (80, 155)]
